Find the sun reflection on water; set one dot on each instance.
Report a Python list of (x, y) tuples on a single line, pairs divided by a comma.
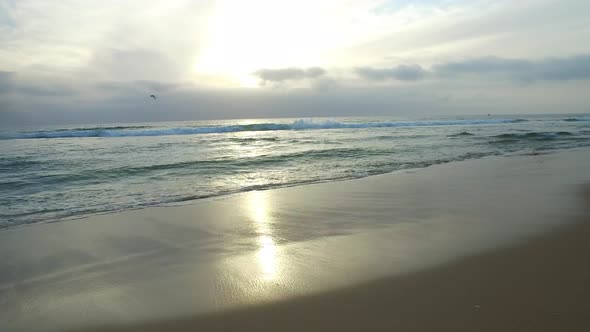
[(267, 253)]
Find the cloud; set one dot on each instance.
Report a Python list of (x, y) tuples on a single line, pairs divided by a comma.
[(115, 87), (5, 81), (482, 65), (287, 74), (192, 103), (480, 27), (10, 83), (489, 68), (110, 40), (128, 102), (400, 73), (549, 69), (135, 64)]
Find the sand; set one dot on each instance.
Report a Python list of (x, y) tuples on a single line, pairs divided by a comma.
[(483, 245), (539, 285)]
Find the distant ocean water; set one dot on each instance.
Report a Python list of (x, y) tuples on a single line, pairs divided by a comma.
[(51, 173)]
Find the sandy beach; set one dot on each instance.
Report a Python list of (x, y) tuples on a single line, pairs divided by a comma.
[(539, 285), (495, 244)]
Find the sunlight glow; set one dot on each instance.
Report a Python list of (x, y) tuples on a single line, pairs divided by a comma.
[(245, 36)]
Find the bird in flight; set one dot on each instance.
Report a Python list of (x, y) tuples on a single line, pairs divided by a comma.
[(152, 96)]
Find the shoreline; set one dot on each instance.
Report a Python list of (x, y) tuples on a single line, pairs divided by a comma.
[(230, 195), (239, 255)]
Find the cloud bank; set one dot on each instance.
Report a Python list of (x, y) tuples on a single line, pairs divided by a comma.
[(400, 73), (569, 68), (490, 67)]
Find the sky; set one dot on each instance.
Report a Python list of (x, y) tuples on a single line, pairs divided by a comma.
[(77, 61)]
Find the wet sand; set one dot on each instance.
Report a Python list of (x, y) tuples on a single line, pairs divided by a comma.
[(540, 285), (482, 245)]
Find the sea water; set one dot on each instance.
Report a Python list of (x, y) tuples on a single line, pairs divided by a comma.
[(57, 172)]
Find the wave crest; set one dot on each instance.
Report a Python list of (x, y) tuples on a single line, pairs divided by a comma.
[(301, 124)]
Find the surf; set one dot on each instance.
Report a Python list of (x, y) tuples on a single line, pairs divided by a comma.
[(300, 124)]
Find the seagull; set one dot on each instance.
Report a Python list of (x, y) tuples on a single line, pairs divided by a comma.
[(152, 96)]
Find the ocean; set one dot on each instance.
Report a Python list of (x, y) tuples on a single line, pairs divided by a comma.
[(62, 172)]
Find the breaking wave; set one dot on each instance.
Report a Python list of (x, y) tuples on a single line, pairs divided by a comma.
[(582, 119), (301, 124)]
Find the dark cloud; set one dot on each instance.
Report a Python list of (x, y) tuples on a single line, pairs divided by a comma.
[(286, 74), (45, 90), (550, 69), (9, 83), (195, 103), (482, 65), (400, 73)]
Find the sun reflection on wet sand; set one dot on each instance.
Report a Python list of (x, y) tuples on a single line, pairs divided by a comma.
[(262, 222), (267, 257)]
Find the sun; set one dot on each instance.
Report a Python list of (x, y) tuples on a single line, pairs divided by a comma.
[(245, 36)]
